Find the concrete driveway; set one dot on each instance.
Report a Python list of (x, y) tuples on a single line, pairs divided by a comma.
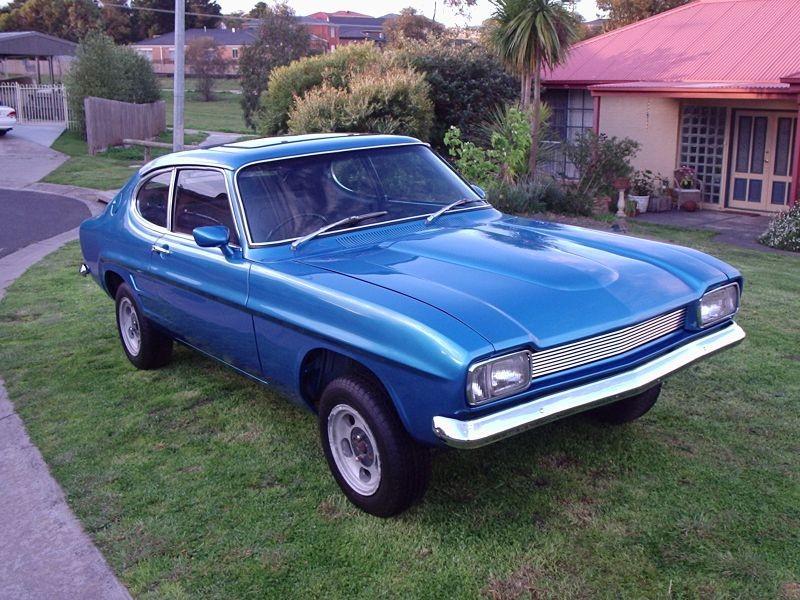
[(26, 156)]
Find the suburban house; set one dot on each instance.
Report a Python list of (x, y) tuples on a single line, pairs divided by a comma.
[(160, 50), (352, 27), (713, 84)]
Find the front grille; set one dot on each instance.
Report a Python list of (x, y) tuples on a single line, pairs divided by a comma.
[(604, 346)]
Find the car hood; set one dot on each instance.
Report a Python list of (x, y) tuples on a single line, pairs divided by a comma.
[(516, 281)]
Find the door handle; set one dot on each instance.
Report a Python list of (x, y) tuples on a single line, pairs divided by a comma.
[(163, 250)]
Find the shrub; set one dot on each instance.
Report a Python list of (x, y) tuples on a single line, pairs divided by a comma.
[(599, 160), (382, 101), (467, 83), (105, 70), (784, 230), (293, 81), (522, 197)]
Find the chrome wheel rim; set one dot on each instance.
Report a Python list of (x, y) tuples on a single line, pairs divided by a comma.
[(129, 326), (354, 449)]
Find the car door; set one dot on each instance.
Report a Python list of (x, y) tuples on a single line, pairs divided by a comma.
[(202, 292)]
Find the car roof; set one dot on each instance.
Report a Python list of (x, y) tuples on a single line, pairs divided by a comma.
[(237, 154)]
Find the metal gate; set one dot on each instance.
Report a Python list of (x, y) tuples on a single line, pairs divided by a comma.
[(36, 102)]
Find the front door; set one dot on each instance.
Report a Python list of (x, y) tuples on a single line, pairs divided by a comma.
[(761, 162)]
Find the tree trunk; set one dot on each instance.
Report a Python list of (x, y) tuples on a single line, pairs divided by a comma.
[(525, 90), (536, 117)]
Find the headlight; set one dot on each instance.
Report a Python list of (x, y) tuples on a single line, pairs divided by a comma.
[(498, 377), (718, 304)]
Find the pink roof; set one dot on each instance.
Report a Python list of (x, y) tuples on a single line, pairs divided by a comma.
[(739, 41)]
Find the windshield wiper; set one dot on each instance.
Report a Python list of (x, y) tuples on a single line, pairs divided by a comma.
[(450, 206), (351, 220)]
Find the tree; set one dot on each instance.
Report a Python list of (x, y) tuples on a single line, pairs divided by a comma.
[(281, 40), (467, 83), (66, 19), (158, 16), (116, 21), (410, 25), (624, 12), (204, 60), (529, 36), (105, 70)]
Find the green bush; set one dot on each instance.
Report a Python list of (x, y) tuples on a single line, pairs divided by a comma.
[(105, 70), (523, 197), (784, 230), (467, 83), (381, 101), (599, 160), (293, 81)]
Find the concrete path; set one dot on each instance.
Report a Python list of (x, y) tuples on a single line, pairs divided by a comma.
[(738, 229), (44, 552), (26, 156)]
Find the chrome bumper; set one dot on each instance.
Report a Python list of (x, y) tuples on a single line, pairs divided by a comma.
[(496, 426)]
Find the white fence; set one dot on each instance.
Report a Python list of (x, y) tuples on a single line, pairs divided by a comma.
[(36, 102)]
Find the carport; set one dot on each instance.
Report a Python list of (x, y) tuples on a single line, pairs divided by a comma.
[(37, 46)]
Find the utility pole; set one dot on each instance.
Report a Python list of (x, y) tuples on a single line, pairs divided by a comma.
[(178, 90)]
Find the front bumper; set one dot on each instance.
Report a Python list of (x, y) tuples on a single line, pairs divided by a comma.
[(496, 426)]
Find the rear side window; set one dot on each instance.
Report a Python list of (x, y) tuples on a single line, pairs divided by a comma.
[(153, 199), (201, 199)]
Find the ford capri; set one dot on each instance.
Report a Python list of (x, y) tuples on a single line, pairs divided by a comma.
[(366, 280)]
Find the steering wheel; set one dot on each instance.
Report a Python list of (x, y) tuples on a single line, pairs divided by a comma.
[(295, 218)]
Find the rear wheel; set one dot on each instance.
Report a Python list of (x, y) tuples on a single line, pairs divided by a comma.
[(373, 459), (628, 409), (144, 345)]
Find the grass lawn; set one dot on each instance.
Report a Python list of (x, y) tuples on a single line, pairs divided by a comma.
[(107, 170), (222, 114), (195, 482)]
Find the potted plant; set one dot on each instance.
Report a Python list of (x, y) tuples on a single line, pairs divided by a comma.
[(642, 185), (689, 193)]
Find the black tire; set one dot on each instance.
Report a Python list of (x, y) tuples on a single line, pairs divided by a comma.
[(3, 132), (628, 409), (144, 345), (387, 472)]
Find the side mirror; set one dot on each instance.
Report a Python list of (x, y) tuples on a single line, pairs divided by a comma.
[(478, 190), (211, 236)]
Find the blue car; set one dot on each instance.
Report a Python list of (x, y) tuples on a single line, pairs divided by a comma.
[(363, 277)]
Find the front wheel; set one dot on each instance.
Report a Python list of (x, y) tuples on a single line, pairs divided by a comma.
[(628, 409), (373, 459), (145, 346)]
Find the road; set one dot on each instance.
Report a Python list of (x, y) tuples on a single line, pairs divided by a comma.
[(27, 217)]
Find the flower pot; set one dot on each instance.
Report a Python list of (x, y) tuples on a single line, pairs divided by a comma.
[(641, 202), (622, 183), (689, 196)]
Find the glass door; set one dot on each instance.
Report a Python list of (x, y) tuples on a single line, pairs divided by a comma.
[(762, 160)]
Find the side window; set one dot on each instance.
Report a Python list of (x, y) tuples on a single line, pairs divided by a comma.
[(153, 199), (201, 199)]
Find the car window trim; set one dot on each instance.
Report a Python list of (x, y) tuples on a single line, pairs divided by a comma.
[(252, 244), (135, 197), (174, 189)]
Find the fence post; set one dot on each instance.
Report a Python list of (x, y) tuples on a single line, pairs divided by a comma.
[(66, 106), (18, 90)]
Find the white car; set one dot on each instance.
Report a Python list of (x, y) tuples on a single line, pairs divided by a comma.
[(8, 118)]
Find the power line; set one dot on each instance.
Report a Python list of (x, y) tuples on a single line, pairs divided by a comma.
[(172, 12)]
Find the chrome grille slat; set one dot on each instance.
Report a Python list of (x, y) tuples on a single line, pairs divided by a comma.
[(604, 346)]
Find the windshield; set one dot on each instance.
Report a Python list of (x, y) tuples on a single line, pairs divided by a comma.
[(288, 199)]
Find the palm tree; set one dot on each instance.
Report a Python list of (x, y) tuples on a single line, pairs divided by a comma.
[(529, 36)]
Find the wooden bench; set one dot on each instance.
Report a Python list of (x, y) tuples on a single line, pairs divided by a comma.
[(148, 145)]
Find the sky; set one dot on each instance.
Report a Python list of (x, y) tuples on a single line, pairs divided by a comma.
[(376, 8)]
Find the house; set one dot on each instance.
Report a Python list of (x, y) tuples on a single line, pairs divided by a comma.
[(352, 27), (160, 50), (713, 84)]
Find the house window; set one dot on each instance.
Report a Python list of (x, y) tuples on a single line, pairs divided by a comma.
[(702, 145), (333, 33), (572, 114), (146, 52), (235, 53)]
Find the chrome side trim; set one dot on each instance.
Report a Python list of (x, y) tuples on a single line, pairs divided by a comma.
[(491, 428)]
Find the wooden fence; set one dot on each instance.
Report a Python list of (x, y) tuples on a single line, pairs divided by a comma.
[(36, 102), (108, 122)]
